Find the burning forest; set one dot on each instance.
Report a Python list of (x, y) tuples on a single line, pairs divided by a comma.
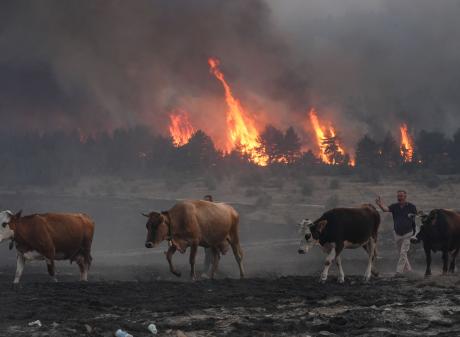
[(243, 134), (200, 156)]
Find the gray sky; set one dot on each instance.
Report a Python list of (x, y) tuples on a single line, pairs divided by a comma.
[(368, 65)]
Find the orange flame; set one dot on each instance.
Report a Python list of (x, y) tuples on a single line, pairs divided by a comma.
[(407, 144), (241, 128), (180, 128), (322, 134)]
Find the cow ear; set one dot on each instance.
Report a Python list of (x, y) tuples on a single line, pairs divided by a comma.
[(321, 225), (18, 214), (146, 215), (420, 213)]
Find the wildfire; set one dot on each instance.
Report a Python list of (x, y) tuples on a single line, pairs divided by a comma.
[(407, 144), (329, 148), (180, 128), (242, 132)]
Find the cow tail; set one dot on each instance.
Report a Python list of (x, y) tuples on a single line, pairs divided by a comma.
[(86, 247), (88, 258)]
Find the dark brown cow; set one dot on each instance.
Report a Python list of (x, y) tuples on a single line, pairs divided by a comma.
[(440, 231), (196, 223), (341, 228), (49, 236)]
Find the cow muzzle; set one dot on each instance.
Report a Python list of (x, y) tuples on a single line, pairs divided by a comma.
[(149, 244), (414, 240), (301, 251)]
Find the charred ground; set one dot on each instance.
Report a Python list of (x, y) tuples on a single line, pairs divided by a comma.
[(130, 286), (286, 306)]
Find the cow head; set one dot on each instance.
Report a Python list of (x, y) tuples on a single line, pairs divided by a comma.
[(157, 228), (426, 228), (6, 224), (309, 232)]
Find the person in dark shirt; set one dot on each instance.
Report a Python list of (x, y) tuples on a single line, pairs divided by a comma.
[(403, 225)]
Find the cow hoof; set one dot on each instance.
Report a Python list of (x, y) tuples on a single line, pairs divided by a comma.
[(428, 275), (340, 281), (322, 281), (177, 273), (16, 286), (375, 274), (366, 279)]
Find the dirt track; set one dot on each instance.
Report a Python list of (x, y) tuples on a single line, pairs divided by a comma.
[(287, 306)]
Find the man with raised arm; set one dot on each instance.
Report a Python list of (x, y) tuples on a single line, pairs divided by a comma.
[(404, 227)]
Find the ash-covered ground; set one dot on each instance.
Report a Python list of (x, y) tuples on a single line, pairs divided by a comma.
[(130, 287), (284, 306)]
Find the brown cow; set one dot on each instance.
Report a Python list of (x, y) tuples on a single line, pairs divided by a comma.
[(196, 223), (440, 230), (49, 236)]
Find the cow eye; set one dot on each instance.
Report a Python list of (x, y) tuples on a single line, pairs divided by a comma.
[(4, 224)]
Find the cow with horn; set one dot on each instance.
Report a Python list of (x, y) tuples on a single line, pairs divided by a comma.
[(341, 228), (439, 231), (195, 223), (49, 237)]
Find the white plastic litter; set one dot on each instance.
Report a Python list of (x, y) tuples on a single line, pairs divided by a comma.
[(121, 333), (36, 323), (152, 328)]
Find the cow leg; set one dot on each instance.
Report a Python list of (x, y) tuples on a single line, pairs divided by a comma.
[(428, 261), (374, 270), (453, 259), (169, 255), (193, 251), (445, 261), (371, 252), (83, 266), (338, 261), (208, 260), (238, 253), (327, 264), (215, 262), (20, 263), (51, 269)]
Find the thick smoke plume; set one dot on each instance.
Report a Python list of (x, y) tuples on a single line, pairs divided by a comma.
[(368, 66)]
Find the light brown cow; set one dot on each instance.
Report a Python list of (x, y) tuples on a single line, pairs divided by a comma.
[(196, 223), (49, 237)]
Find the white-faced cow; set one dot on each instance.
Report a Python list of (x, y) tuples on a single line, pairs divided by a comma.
[(196, 223), (440, 231), (341, 228), (49, 237)]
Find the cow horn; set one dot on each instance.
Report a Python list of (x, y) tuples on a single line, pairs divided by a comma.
[(146, 215)]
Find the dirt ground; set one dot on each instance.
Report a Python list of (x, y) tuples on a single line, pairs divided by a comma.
[(130, 286), (285, 306)]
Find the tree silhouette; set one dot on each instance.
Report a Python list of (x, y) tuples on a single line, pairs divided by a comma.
[(291, 147), (367, 152), (390, 152)]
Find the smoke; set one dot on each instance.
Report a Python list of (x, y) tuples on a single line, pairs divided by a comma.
[(108, 64), (378, 63)]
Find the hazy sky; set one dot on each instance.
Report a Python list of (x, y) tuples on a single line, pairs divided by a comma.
[(368, 65)]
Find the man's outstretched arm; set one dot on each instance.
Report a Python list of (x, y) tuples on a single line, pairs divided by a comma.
[(382, 206)]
